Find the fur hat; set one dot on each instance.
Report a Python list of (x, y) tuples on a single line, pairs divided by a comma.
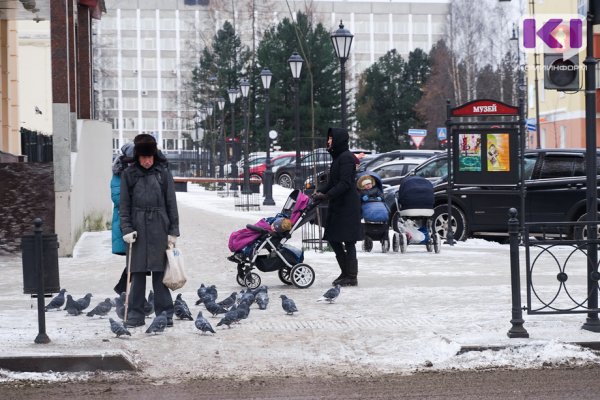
[(363, 180), (145, 145)]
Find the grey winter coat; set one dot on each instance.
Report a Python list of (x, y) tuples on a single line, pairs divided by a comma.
[(148, 205), (344, 212)]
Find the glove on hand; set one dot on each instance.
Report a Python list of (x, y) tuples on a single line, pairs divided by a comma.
[(318, 196), (130, 237), (172, 240)]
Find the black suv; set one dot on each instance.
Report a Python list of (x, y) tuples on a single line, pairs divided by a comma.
[(555, 184)]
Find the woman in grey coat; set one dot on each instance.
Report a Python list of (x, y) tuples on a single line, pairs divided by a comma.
[(343, 227), (149, 221)]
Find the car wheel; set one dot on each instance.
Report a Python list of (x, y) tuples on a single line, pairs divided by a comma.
[(458, 222), (285, 180), (580, 231)]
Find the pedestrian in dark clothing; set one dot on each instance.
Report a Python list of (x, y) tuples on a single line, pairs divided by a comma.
[(150, 222), (342, 227)]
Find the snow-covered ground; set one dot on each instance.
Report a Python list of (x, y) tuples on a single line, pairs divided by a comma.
[(410, 312)]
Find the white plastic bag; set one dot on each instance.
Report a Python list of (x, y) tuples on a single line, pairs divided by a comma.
[(412, 231), (175, 276)]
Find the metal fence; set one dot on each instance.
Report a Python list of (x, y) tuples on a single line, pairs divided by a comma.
[(36, 146)]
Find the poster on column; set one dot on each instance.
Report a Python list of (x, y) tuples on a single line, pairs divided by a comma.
[(487, 156)]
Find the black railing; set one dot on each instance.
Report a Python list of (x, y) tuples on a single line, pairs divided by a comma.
[(557, 268), (36, 146)]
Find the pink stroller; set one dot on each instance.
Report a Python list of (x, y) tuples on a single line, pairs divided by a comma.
[(262, 246)]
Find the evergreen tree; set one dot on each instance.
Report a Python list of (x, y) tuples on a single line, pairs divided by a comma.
[(388, 93)]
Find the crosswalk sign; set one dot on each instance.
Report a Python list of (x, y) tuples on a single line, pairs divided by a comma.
[(442, 133)]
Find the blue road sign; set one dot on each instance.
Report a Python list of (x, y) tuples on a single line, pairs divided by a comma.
[(417, 132), (442, 133)]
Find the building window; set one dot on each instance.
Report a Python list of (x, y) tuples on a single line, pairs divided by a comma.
[(196, 2), (563, 137)]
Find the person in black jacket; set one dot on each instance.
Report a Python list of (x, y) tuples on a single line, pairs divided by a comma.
[(149, 222), (342, 228)]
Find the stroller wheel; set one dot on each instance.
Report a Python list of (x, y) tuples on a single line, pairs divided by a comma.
[(437, 243), (367, 244), (240, 280), (429, 246), (385, 245), (252, 280), (302, 276), (284, 275), (396, 242), (403, 242)]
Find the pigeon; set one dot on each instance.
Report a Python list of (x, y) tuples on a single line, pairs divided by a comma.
[(101, 309), (214, 308), (228, 301), (259, 289), (201, 293), (247, 297), (212, 292), (72, 307), (158, 324), (84, 302), (288, 305), (117, 328), (229, 318), (149, 304), (182, 310), (57, 302), (120, 305), (331, 294), (202, 324), (243, 310), (262, 299)]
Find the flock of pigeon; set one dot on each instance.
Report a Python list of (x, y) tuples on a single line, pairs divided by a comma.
[(233, 308)]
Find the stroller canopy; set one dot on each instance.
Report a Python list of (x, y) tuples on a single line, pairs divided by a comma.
[(415, 192)]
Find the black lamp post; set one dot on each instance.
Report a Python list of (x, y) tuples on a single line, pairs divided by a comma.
[(222, 156), (209, 127), (197, 120), (245, 88), (342, 42), (295, 62), (266, 76), (232, 93)]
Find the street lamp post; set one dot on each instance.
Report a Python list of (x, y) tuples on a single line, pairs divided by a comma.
[(295, 62), (266, 76), (223, 153), (197, 121), (202, 114), (209, 111), (232, 93), (342, 42), (245, 88)]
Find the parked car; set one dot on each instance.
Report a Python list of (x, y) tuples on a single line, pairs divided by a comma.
[(555, 185), (259, 166), (391, 172), (370, 162)]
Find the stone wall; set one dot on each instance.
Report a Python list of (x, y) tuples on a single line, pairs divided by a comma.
[(26, 193)]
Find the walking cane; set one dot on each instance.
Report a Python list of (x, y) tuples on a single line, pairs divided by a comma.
[(127, 288)]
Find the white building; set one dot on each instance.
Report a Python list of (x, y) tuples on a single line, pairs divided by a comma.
[(147, 49)]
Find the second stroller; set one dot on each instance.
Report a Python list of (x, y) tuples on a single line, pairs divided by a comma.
[(415, 204), (375, 213)]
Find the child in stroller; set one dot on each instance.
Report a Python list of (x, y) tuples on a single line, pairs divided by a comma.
[(415, 206), (262, 245), (375, 212)]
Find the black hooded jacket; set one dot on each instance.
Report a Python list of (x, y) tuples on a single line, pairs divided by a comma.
[(344, 212)]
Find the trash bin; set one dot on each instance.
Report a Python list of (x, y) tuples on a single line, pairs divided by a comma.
[(50, 264)]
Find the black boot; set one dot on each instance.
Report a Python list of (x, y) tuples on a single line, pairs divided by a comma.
[(343, 275), (121, 286), (352, 273)]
